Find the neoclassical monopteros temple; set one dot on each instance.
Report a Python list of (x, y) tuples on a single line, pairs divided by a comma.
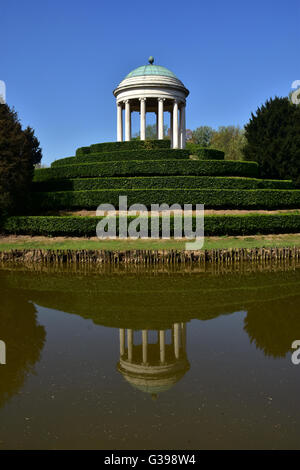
[(152, 88)]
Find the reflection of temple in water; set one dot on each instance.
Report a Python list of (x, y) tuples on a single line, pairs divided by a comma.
[(153, 367)]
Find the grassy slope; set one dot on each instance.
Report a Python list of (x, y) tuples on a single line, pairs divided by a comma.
[(27, 242)]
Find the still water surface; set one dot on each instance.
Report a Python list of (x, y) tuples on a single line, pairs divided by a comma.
[(149, 359)]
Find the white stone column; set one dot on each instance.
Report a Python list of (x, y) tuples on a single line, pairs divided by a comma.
[(162, 346), (145, 345), (119, 122), (160, 118), (130, 344), (143, 118), (175, 124), (156, 123), (182, 126), (171, 128), (127, 121), (122, 342), (179, 128), (176, 340)]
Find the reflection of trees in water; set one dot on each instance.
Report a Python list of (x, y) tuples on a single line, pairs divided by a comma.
[(24, 339), (274, 326)]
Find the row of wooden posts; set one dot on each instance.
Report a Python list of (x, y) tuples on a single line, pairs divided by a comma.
[(150, 257)]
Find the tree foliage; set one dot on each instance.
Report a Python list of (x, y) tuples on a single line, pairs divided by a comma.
[(228, 139), (273, 139), (19, 152), (201, 136), (151, 132), (231, 140)]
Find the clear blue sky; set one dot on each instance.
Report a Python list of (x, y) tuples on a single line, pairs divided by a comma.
[(62, 59)]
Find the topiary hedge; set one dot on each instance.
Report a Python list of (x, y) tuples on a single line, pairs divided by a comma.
[(212, 198), (157, 154), (150, 168), (251, 224), (131, 145), (215, 225), (204, 153), (157, 182)]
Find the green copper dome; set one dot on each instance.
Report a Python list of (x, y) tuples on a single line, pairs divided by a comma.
[(151, 70)]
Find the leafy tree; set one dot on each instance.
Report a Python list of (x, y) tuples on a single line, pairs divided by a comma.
[(231, 140), (189, 135), (151, 132), (202, 136), (19, 152), (273, 139)]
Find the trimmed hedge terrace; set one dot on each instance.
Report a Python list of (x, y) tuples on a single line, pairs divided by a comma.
[(204, 153), (150, 168), (212, 198), (131, 145), (215, 225), (165, 154), (149, 172), (157, 182)]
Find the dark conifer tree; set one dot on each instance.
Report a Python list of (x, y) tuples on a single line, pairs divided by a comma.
[(273, 139), (19, 152)]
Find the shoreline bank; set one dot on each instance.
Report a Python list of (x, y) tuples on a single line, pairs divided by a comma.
[(150, 257)]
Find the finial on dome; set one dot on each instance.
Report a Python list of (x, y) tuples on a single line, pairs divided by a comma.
[(151, 60)]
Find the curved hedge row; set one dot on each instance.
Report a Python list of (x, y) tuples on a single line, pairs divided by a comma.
[(157, 154), (150, 168), (214, 225), (212, 198), (157, 182), (205, 153), (131, 145)]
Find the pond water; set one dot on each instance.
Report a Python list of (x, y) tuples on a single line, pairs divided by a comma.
[(149, 358)]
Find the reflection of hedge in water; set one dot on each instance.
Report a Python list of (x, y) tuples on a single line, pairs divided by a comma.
[(145, 299), (24, 339)]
